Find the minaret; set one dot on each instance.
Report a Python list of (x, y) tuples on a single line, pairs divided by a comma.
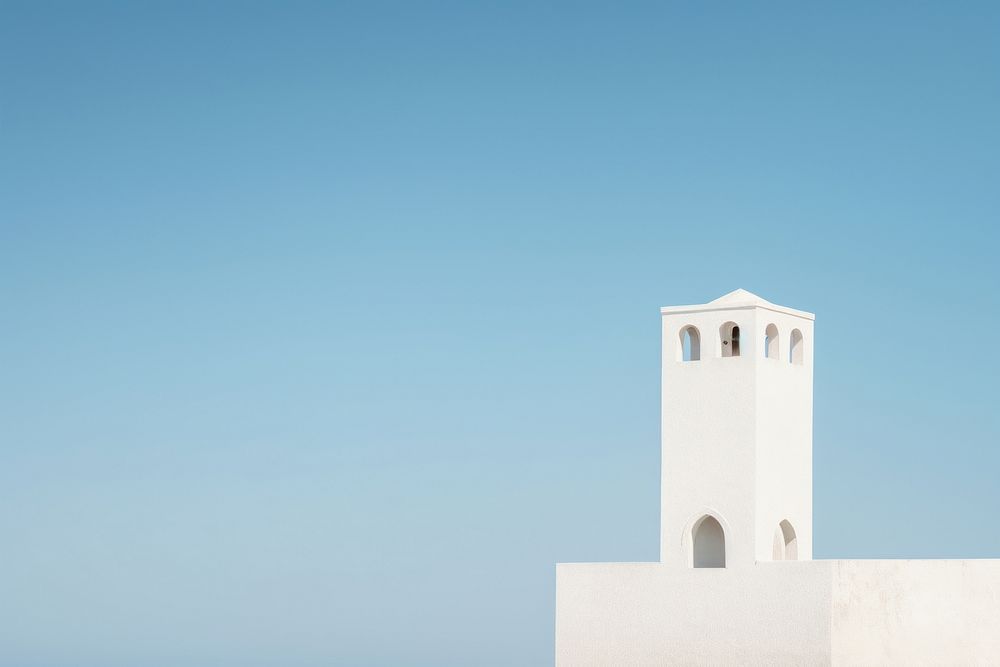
[(736, 433)]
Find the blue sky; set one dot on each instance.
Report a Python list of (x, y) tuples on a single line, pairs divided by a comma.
[(328, 328)]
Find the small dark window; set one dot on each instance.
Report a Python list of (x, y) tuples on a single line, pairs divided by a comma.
[(729, 337)]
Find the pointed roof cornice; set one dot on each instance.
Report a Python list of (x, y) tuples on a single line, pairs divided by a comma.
[(738, 299)]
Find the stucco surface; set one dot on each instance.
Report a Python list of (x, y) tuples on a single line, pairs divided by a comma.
[(916, 612), (654, 614), (785, 613)]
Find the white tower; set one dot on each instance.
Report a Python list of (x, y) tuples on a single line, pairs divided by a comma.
[(737, 495), (736, 433)]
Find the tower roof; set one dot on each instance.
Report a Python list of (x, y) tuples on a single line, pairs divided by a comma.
[(740, 297), (737, 299)]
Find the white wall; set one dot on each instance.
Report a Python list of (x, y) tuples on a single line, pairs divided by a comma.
[(653, 614), (787, 613), (784, 437), (708, 425), (916, 612)]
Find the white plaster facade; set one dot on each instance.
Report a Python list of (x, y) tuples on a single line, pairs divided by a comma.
[(736, 583)]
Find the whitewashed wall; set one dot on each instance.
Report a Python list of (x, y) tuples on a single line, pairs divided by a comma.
[(784, 613)]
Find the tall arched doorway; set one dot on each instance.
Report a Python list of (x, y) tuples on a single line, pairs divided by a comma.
[(708, 543)]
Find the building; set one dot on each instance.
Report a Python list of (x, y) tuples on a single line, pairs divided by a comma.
[(736, 582)]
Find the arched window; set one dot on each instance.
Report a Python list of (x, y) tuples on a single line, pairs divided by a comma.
[(785, 544), (708, 543), (771, 342), (690, 349), (729, 337), (795, 347)]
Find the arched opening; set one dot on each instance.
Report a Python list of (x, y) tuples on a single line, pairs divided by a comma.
[(708, 543), (785, 544), (795, 347), (771, 342), (690, 349), (729, 336)]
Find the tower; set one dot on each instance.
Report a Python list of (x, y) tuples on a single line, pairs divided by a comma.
[(737, 495), (736, 479)]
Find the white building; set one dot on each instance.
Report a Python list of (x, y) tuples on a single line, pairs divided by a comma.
[(736, 583)]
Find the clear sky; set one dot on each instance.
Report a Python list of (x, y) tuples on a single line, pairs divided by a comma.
[(329, 328)]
